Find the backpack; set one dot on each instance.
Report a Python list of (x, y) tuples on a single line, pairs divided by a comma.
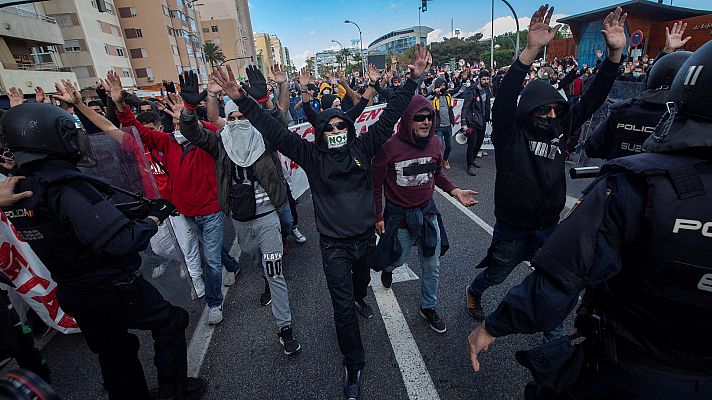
[(241, 195)]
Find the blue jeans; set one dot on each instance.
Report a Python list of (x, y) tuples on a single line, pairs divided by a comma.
[(510, 246), (430, 278), (230, 263), (445, 134), (285, 220), (210, 228)]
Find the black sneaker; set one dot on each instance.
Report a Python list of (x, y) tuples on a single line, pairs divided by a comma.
[(290, 344), (352, 380), (364, 309), (387, 279), (266, 297), (471, 170), (474, 305), (436, 323)]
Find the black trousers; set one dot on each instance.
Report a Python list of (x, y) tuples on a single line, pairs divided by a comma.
[(106, 316), (292, 207), (347, 268), (623, 382), (474, 143), (17, 343)]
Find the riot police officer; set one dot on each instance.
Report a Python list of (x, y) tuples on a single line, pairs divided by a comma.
[(631, 121), (92, 252), (640, 243)]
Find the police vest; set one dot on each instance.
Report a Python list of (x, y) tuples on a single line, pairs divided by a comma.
[(71, 262), (661, 301), (632, 122)]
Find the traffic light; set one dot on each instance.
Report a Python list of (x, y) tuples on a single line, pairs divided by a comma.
[(424, 5)]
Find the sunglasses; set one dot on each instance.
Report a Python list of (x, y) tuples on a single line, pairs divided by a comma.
[(240, 118), (338, 126), (423, 117), (544, 110)]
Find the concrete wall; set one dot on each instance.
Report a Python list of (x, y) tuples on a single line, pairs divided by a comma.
[(29, 28), (27, 80)]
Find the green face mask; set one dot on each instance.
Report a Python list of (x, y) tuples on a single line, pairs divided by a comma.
[(337, 141)]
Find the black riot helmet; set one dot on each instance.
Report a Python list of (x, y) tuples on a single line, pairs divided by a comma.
[(663, 72), (688, 122), (44, 129)]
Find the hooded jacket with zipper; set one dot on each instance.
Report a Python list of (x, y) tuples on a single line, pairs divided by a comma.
[(265, 170), (340, 179), (436, 105), (530, 188), (476, 108)]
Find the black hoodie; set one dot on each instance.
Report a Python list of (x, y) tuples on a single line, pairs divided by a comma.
[(340, 180), (530, 189)]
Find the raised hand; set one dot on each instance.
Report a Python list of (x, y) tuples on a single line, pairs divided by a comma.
[(421, 61), (67, 92), (614, 31), (40, 95), (189, 90), (113, 86), (226, 80), (673, 37), (15, 96), (280, 76), (175, 105), (540, 34), (258, 85), (373, 74), (303, 77)]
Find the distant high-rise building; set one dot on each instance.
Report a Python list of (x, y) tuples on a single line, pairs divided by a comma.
[(227, 24)]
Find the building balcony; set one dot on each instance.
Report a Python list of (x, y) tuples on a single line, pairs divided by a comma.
[(27, 79), (21, 24)]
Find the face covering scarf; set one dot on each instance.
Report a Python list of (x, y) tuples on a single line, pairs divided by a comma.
[(243, 143), (337, 140), (179, 137)]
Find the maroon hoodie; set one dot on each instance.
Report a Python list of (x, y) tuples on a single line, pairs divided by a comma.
[(408, 171)]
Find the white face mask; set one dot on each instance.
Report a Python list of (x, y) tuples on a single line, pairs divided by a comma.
[(337, 140), (467, 84), (326, 91), (179, 137)]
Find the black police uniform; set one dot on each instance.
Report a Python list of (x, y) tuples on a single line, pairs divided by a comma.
[(91, 250), (640, 243), (629, 123)]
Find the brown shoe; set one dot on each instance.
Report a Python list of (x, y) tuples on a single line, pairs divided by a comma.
[(474, 306), (446, 164)]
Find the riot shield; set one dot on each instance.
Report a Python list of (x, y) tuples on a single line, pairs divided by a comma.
[(121, 161)]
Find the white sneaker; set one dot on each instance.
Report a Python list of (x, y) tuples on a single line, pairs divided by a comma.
[(298, 235), (228, 278), (215, 316), (199, 286), (158, 271), (479, 154)]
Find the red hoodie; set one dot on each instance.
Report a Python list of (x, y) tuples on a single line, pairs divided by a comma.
[(192, 170), (408, 172)]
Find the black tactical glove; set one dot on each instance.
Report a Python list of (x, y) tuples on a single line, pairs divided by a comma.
[(170, 86), (189, 90), (161, 209), (258, 84)]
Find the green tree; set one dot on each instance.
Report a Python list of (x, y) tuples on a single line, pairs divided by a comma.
[(310, 63), (469, 49), (213, 53)]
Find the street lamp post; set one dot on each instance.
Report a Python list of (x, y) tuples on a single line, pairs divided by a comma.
[(340, 45), (420, 34), (516, 20), (360, 45)]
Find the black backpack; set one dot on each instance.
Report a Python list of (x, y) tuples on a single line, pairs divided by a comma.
[(241, 195)]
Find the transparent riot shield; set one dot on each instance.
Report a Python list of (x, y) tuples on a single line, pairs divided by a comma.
[(121, 161)]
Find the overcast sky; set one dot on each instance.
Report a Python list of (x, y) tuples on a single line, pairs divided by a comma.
[(306, 27)]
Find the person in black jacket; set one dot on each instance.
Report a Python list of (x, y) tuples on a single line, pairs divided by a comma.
[(338, 166), (476, 113), (530, 187)]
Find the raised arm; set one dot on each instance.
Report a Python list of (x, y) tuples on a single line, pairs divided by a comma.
[(70, 94), (213, 103), (291, 145), (280, 78)]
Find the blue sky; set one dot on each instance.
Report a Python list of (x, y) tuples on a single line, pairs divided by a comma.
[(306, 27)]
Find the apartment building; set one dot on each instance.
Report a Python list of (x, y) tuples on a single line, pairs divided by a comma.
[(227, 24), (92, 42), (30, 41), (264, 52), (163, 39), (280, 55)]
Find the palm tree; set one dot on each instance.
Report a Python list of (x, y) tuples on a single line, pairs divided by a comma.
[(345, 53), (213, 54)]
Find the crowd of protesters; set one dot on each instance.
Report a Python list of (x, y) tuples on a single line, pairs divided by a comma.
[(213, 152)]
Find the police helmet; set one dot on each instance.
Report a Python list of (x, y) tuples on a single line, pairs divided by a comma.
[(662, 73), (688, 122), (41, 128)]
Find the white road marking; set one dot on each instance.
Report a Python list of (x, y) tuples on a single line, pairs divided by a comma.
[(199, 343), (418, 383), (404, 274), (479, 221)]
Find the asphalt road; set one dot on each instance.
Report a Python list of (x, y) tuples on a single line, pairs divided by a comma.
[(244, 359)]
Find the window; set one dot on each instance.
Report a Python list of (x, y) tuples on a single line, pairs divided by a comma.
[(170, 31), (72, 46), (66, 20), (144, 73), (120, 52), (127, 12), (83, 72), (180, 69), (213, 28), (206, 30), (175, 49), (133, 33), (166, 11), (107, 49), (115, 30), (127, 73)]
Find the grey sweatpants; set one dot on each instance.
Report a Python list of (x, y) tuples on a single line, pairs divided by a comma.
[(262, 238)]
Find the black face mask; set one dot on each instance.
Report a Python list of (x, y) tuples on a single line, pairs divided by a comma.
[(549, 126), (421, 141)]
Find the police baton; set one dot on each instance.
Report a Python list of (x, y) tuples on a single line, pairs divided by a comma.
[(138, 197), (584, 172)]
